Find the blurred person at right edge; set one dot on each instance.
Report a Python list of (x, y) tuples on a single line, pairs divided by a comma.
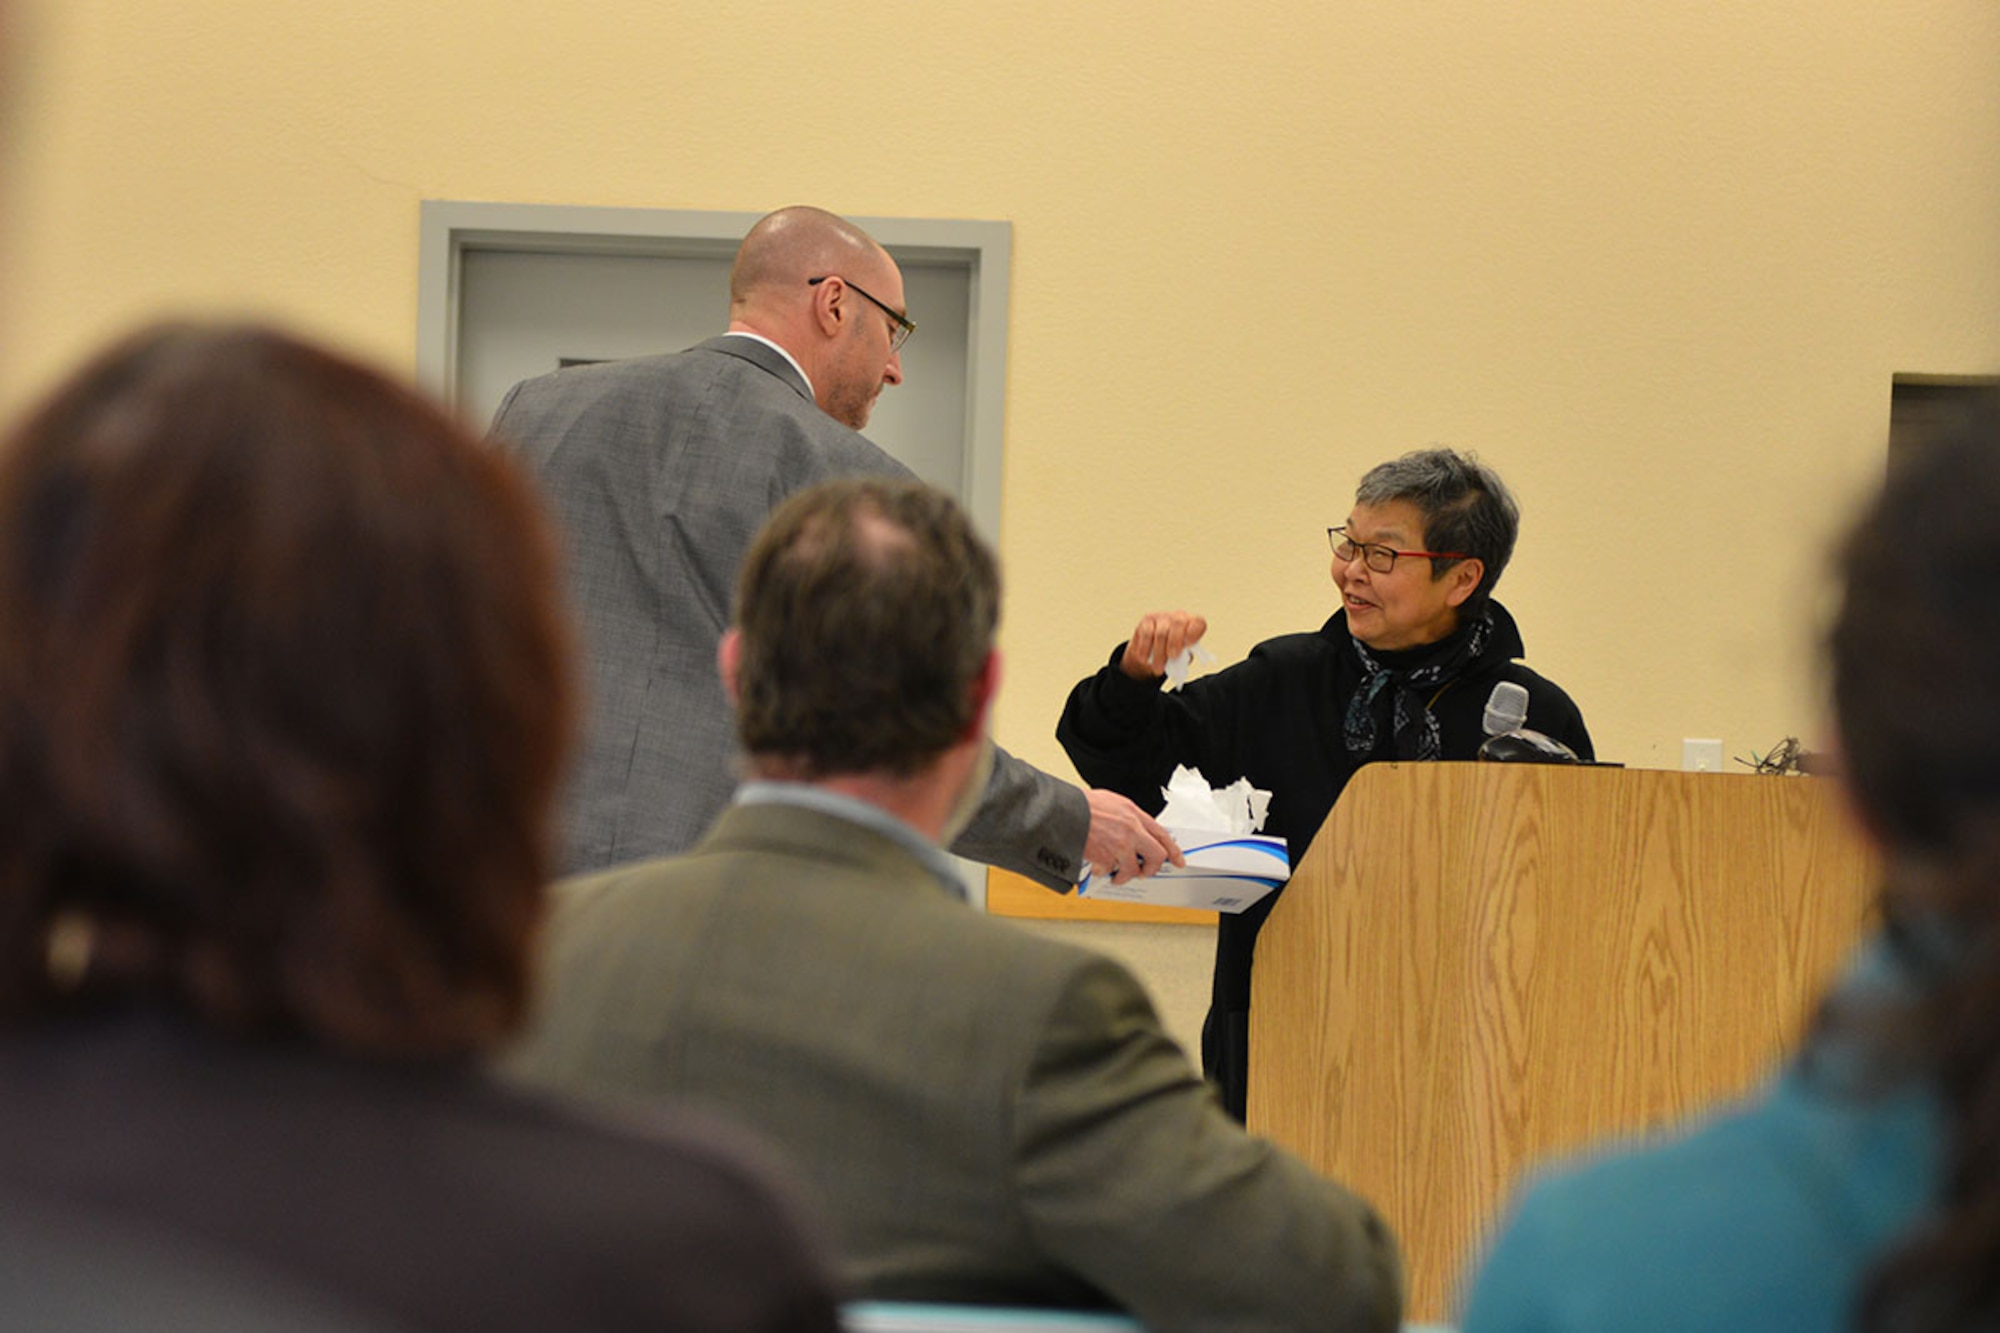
[(1401, 671), (1861, 1189)]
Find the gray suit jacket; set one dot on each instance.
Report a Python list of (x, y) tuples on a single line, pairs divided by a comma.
[(661, 470), (985, 1114)]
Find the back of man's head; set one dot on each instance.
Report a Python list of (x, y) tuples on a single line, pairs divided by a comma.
[(789, 246), (866, 611)]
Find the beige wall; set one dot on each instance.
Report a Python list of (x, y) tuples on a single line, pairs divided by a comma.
[(1657, 262)]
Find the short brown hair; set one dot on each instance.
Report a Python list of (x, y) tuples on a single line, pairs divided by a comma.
[(284, 697), (867, 609)]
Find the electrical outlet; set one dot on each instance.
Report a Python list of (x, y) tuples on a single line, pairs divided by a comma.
[(1701, 756)]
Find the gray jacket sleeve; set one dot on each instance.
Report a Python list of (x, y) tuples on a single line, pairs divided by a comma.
[(1031, 823), (1128, 1169)]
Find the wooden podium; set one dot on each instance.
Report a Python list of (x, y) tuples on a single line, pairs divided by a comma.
[(1476, 966)]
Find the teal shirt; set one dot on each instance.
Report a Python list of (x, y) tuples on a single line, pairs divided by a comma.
[(1768, 1217)]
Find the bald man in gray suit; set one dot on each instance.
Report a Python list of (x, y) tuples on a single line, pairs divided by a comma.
[(661, 469)]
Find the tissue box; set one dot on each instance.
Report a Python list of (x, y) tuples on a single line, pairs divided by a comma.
[(1225, 872)]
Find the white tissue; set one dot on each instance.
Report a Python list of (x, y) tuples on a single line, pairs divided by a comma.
[(1230, 865), (1193, 804), (1182, 662)]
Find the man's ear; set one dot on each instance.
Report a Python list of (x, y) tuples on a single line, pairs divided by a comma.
[(985, 688), (728, 657), (1464, 577), (829, 306)]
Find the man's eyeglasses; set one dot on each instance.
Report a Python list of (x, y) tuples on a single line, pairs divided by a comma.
[(904, 327), (1378, 557)]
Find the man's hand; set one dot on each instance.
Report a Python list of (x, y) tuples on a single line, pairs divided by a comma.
[(1125, 841), (1159, 639)]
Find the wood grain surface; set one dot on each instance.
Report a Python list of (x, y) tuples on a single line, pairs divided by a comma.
[(1477, 966)]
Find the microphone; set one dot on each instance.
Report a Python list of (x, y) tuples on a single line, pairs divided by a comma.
[(1506, 708), (1509, 742)]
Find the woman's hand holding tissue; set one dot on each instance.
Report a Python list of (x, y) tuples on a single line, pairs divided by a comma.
[(1160, 638), (1124, 841)]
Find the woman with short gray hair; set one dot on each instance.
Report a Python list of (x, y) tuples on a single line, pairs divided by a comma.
[(1402, 671)]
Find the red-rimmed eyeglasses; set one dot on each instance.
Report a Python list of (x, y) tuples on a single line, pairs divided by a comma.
[(1375, 555)]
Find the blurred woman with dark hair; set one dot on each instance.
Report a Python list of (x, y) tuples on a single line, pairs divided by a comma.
[(1862, 1190), (284, 699)]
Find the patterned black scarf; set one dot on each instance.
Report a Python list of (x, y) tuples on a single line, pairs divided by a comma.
[(1417, 674)]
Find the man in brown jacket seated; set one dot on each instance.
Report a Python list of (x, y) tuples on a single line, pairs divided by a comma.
[(986, 1115)]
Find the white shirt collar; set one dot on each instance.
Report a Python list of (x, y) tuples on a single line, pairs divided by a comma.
[(811, 392)]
